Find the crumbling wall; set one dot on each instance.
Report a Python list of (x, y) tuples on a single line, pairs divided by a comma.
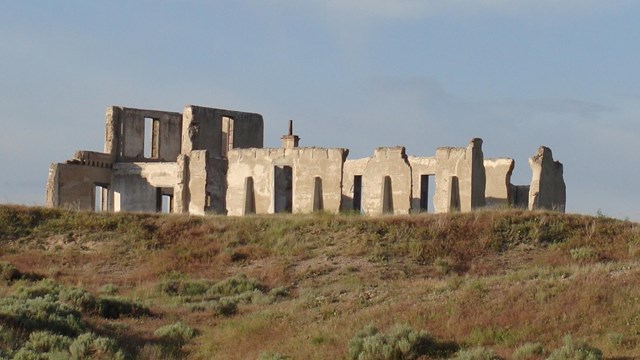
[(498, 190), (202, 129), (352, 194), (253, 173), (548, 190), (317, 179), (460, 178), (125, 134), (386, 182), (216, 188), (420, 167), (137, 186), (73, 185)]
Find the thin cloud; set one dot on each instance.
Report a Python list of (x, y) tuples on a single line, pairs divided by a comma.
[(414, 9)]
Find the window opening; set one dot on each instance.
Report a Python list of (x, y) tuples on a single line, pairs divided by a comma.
[(227, 135), (151, 138), (357, 193), (101, 198), (283, 189), (387, 196), (249, 197), (427, 191), (318, 203), (164, 200), (454, 203)]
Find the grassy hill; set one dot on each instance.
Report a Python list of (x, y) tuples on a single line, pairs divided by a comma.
[(510, 283)]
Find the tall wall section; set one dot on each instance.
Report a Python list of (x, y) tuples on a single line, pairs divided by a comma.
[(298, 180)]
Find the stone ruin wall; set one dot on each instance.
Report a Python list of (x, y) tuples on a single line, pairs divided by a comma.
[(208, 160)]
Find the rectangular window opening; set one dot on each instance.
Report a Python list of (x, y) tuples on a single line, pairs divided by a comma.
[(227, 135), (164, 200), (283, 183), (387, 195), (427, 191), (101, 198), (151, 138), (357, 193), (318, 196)]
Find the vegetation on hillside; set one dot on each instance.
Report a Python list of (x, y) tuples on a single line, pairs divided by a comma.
[(483, 285)]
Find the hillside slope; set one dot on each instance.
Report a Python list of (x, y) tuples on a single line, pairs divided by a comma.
[(153, 286)]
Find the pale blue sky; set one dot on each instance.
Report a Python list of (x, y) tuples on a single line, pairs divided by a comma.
[(355, 74)]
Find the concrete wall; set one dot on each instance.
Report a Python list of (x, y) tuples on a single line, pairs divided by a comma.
[(420, 166), (197, 180), (306, 165), (135, 185), (498, 190), (73, 185), (460, 178), (125, 134), (352, 168), (216, 188), (394, 196), (547, 189), (202, 130)]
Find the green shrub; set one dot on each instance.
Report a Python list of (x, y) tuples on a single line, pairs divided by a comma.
[(479, 353), (113, 307), (225, 306), (45, 342), (401, 342), (273, 356), (173, 337), (178, 287), (583, 253), (90, 346), (571, 350), (8, 272), (39, 289), (528, 351), (109, 289), (42, 313), (234, 285), (78, 297)]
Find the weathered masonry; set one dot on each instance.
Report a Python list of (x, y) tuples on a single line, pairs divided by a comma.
[(206, 160)]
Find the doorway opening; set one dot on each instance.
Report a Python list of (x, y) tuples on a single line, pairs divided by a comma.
[(318, 202), (164, 200), (387, 196), (427, 191), (100, 198), (283, 184), (249, 197), (357, 193)]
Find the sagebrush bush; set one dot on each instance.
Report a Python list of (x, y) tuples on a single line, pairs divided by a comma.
[(42, 313), (109, 289), (45, 342), (479, 353), (571, 350), (234, 285), (8, 272), (78, 297), (273, 356), (113, 307), (90, 346), (402, 342), (528, 351), (173, 337), (225, 306)]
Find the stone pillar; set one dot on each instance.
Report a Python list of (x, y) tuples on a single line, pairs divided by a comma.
[(547, 190)]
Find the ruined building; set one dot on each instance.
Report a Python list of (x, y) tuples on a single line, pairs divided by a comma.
[(208, 160)]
